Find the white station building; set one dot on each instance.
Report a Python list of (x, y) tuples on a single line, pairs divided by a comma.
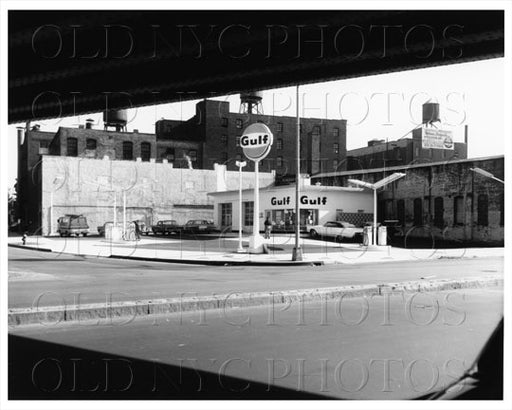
[(318, 204)]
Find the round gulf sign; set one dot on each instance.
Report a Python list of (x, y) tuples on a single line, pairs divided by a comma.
[(256, 141)]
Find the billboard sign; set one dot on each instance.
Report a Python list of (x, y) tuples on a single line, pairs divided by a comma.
[(437, 139)]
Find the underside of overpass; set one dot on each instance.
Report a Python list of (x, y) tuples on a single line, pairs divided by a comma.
[(64, 63)]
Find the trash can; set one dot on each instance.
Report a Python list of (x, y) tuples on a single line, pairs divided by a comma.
[(382, 235), (367, 235)]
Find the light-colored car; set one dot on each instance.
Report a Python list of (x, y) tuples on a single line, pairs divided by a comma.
[(339, 230)]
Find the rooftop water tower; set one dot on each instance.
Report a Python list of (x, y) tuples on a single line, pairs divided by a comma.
[(431, 113), (115, 118), (250, 102)]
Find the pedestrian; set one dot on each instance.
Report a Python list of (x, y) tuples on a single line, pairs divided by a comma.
[(137, 231), (268, 228), (24, 238)]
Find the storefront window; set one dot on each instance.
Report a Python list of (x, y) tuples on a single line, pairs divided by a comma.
[(226, 215), (248, 213)]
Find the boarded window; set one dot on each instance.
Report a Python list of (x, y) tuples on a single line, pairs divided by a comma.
[(439, 212), (400, 210), (458, 210), (145, 151), (127, 150), (418, 212), (483, 210), (72, 147)]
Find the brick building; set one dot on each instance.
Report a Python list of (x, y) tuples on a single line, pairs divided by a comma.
[(381, 153), (323, 142), (440, 200)]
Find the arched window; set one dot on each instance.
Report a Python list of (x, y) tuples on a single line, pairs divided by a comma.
[(145, 151), (127, 150), (72, 147)]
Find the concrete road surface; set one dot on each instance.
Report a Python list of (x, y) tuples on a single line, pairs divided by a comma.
[(50, 279), (359, 348)]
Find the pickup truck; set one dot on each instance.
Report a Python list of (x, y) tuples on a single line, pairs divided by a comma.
[(339, 230), (166, 227)]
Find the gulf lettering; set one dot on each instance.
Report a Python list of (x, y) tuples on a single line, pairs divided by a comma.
[(305, 200), (255, 140)]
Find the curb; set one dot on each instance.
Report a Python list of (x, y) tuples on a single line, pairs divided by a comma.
[(31, 248), (53, 315), (221, 263)]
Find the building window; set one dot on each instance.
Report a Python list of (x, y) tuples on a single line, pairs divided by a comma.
[(127, 150), (239, 123), (279, 143), (145, 151), (193, 155), (226, 214), (169, 154), (502, 210), (279, 162), (224, 122), (72, 147), (316, 130), (279, 127), (224, 157), (483, 210), (458, 210), (44, 144), (335, 164), (90, 144), (238, 140), (224, 139), (418, 212), (439, 212), (417, 151), (248, 213), (336, 132), (336, 148), (400, 210), (300, 128)]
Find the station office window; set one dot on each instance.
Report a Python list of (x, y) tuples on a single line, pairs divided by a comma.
[(72, 147), (248, 213), (336, 148), (483, 210), (458, 210), (418, 212), (279, 143), (439, 212), (127, 150), (90, 143), (226, 214), (145, 151), (239, 123)]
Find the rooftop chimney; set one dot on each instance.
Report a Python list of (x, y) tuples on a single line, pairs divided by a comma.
[(88, 123)]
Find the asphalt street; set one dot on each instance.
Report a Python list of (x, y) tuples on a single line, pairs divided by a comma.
[(47, 279), (358, 348)]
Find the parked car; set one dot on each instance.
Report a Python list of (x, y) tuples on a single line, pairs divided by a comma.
[(339, 230), (102, 228), (166, 227), (199, 226), (73, 225)]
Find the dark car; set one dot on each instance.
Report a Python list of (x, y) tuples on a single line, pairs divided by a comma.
[(198, 226), (166, 227)]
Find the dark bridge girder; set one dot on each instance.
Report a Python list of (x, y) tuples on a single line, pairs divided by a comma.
[(64, 63)]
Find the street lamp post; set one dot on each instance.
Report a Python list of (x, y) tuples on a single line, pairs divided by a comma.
[(297, 251), (375, 186), (486, 174), (240, 165)]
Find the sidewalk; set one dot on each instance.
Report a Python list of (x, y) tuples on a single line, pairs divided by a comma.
[(222, 251)]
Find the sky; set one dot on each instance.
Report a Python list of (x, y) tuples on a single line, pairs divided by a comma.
[(385, 106)]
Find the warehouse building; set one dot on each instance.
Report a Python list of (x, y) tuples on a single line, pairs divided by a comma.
[(443, 201)]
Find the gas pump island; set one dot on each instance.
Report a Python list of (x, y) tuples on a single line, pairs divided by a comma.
[(256, 143)]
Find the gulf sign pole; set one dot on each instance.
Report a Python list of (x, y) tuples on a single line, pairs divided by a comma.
[(256, 143)]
